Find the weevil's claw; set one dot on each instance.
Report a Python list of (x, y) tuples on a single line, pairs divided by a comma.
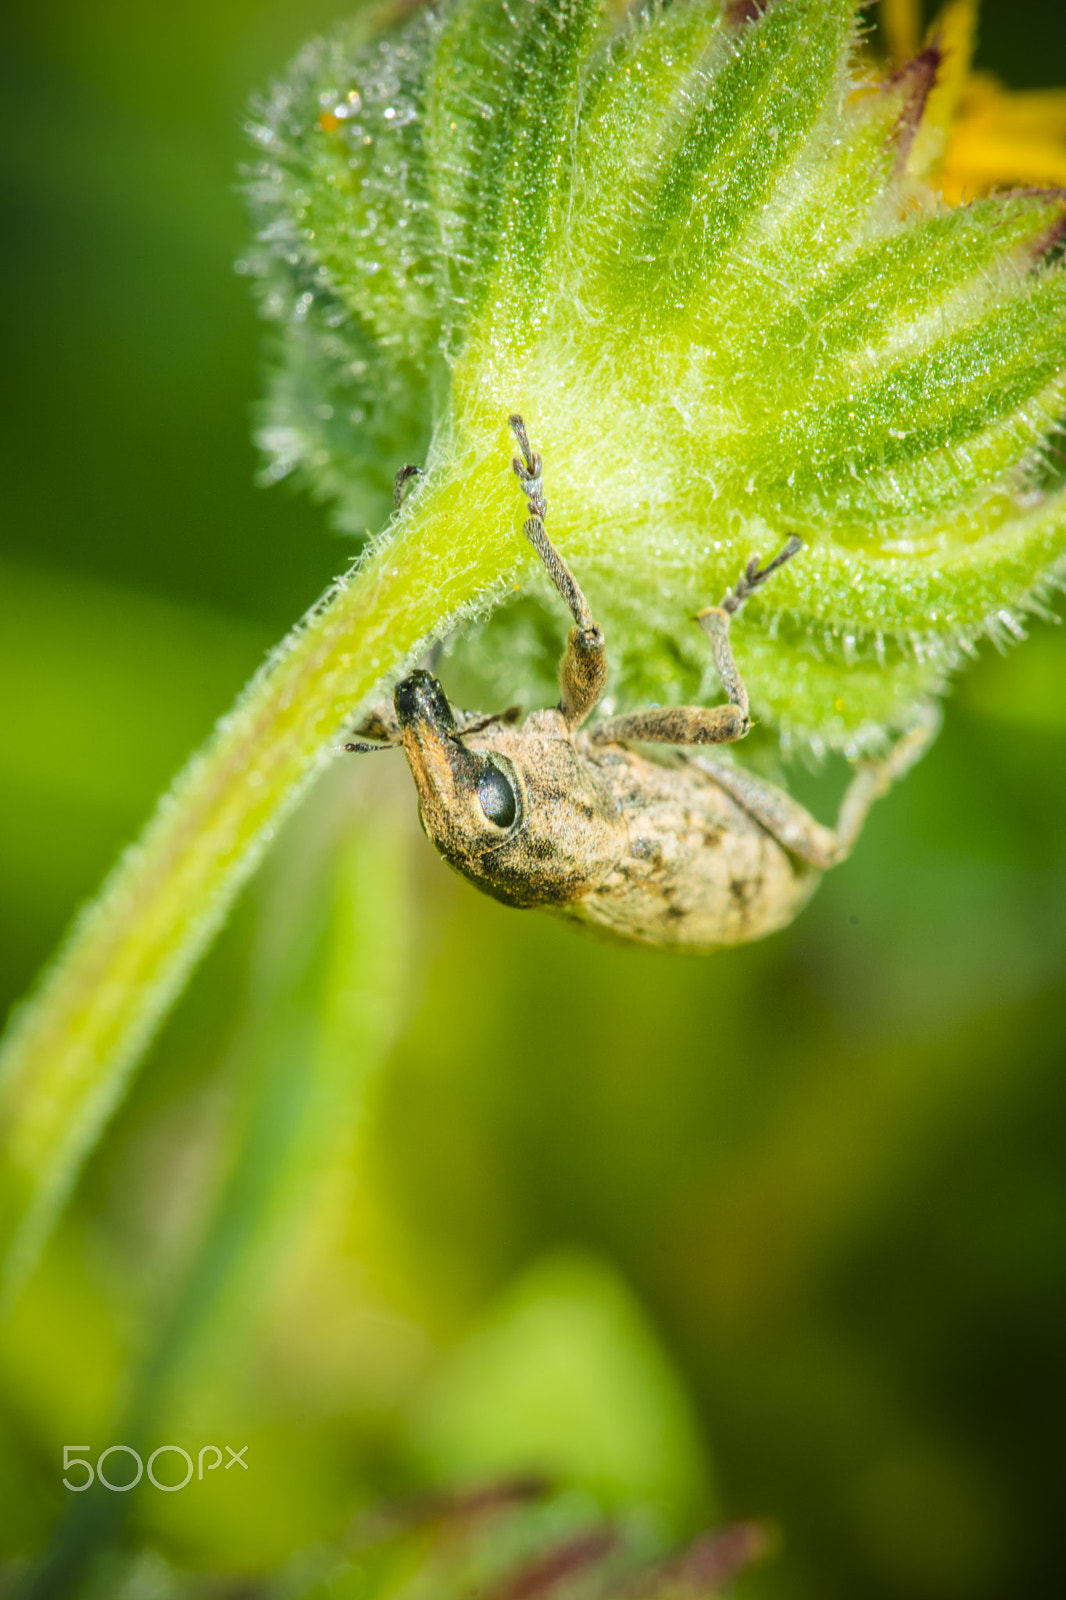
[(529, 470), (402, 482), (530, 465), (754, 575)]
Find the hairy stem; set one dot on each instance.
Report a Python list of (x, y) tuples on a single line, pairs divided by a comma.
[(75, 1043)]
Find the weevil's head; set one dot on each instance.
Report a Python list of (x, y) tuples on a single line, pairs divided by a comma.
[(517, 811)]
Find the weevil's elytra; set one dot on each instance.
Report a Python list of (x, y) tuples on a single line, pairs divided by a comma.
[(552, 813)]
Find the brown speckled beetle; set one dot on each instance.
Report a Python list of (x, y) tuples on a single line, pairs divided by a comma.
[(549, 813)]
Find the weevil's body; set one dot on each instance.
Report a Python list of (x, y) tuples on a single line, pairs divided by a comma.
[(660, 854), (697, 869), (688, 853)]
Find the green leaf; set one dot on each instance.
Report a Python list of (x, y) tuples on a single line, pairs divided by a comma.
[(771, 83), (939, 264), (503, 95), (344, 260)]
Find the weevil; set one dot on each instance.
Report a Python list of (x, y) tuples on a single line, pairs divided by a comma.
[(558, 812)]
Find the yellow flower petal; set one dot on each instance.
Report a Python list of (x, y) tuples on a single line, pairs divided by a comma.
[(975, 135), (901, 25), (954, 33)]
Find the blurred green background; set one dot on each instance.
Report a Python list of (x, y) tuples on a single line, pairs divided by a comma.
[(415, 1189)]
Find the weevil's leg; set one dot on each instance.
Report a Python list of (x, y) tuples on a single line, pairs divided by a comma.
[(402, 482), (792, 824), (473, 722), (715, 622), (675, 725), (379, 722), (583, 670), (784, 818), (703, 724), (874, 779)]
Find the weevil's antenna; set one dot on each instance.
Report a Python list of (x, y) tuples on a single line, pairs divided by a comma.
[(361, 749)]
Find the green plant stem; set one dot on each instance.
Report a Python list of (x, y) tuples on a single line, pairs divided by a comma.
[(74, 1044)]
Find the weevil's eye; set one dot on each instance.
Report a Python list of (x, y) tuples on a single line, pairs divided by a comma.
[(497, 798)]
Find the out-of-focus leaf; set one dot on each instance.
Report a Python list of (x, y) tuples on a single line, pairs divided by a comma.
[(565, 1377)]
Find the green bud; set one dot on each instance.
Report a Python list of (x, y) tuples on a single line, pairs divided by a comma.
[(686, 247)]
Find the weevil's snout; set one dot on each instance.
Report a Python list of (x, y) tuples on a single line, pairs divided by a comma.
[(521, 814), (470, 801), (421, 703)]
